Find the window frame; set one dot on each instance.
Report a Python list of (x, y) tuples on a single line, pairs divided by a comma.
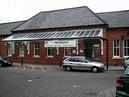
[(9, 50), (66, 48), (50, 54), (36, 49), (124, 47), (117, 43), (21, 47)]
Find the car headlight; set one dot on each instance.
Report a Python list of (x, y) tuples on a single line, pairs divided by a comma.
[(102, 66)]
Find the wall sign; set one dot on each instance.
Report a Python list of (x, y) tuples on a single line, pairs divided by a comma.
[(60, 43)]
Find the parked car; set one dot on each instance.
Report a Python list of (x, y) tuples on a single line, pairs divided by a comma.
[(126, 62), (122, 84), (5, 61), (82, 63)]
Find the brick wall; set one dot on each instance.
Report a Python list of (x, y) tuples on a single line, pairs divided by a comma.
[(116, 34), (43, 59), (3, 49)]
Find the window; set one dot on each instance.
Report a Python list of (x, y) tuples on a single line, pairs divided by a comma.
[(67, 51), (36, 49), (9, 50), (116, 48), (74, 60), (50, 52), (21, 49), (126, 47)]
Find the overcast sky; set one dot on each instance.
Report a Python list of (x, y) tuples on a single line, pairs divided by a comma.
[(17, 10)]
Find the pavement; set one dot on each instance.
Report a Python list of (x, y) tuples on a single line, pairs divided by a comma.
[(110, 92), (115, 68), (45, 67), (107, 93)]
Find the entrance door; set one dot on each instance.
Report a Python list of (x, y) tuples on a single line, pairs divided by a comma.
[(96, 52)]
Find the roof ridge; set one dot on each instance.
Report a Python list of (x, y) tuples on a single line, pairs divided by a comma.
[(112, 12), (63, 9), (25, 21), (12, 22), (98, 16)]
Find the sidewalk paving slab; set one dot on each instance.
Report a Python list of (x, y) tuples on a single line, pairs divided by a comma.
[(33, 67), (107, 93), (115, 68)]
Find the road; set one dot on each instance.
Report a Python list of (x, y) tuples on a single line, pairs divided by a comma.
[(56, 83)]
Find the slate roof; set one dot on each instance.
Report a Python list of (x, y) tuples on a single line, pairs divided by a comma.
[(70, 17), (5, 28), (115, 19)]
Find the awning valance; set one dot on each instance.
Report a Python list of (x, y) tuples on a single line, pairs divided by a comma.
[(71, 34)]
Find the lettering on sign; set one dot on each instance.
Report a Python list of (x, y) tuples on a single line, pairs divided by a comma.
[(60, 43)]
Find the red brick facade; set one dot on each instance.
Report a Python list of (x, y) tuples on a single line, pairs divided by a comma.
[(43, 59), (3, 48), (108, 36), (116, 34)]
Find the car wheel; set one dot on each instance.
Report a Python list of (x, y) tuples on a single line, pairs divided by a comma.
[(0, 64), (94, 69), (68, 68)]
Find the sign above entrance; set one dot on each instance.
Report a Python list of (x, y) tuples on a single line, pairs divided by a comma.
[(61, 43)]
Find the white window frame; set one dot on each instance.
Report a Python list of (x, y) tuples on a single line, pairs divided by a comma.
[(65, 52), (118, 47), (9, 49), (50, 52), (36, 48), (21, 48), (125, 48)]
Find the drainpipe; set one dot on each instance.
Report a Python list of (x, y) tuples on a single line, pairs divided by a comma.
[(77, 46), (107, 53)]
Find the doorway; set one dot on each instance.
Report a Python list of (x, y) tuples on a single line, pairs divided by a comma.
[(93, 49), (96, 52)]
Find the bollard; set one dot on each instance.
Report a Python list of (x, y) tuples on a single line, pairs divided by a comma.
[(22, 62)]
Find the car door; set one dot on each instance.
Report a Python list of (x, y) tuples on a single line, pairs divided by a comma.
[(84, 64), (74, 63)]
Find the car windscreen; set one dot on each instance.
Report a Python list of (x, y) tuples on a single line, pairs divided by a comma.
[(83, 60), (127, 58), (1, 58), (89, 59)]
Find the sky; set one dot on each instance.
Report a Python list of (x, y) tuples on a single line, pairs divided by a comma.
[(18, 10)]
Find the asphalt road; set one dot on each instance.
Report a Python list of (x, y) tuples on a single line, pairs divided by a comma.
[(56, 83)]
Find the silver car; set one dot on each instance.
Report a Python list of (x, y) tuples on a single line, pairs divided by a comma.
[(126, 62), (82, 63)]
